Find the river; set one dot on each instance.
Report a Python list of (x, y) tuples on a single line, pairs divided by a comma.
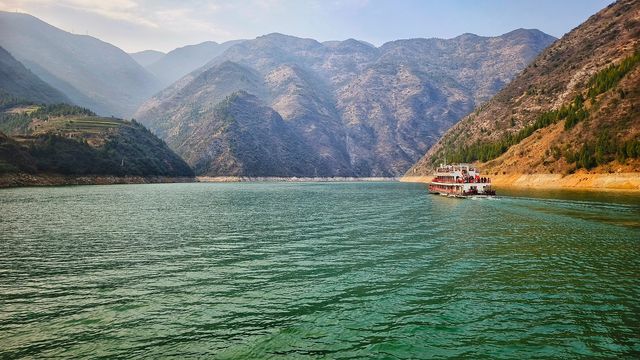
[(309, 270)]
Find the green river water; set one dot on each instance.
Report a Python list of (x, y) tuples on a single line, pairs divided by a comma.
[(316, 270)]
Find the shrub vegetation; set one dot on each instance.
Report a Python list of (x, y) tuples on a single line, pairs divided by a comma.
[(601, 152)]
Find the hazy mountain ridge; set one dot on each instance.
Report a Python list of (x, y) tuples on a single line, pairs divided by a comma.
[(21, 83), (366, 111), (573, 107), (218, 82), (147, 57), (181, 61), (90, 72)]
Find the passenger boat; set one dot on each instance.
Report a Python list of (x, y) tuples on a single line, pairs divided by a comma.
[(460, 180)]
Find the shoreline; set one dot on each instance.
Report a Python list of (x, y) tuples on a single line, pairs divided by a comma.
[(30, 180), (624, 182), (224, 179)]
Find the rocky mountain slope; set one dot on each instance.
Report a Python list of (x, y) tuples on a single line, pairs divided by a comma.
[(575, 108), (362, 110), (90, 72), (147, 57), (181, 61), (17, 80), (242, 134)]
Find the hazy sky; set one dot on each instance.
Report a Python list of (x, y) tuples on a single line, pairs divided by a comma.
[(135, 25)]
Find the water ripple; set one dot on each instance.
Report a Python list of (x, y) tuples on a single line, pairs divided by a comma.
[(314, 271)]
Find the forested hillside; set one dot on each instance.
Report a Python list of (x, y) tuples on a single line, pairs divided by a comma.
[(69, 140)]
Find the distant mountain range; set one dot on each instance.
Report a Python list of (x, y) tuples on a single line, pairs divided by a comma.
[(90, 72), (147, 57), (17, 82), (357, 109), (576, 106), (44, 140), (181, 61), (276, 105)]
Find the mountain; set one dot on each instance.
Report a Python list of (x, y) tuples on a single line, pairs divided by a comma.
[(181, 61), (576, 106), (17, 80), (66, 140), (147, 57), (243, 135), (90, 72), (364, 111)]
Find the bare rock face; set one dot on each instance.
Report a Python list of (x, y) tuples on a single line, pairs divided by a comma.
[(357, 109), (583, 73)]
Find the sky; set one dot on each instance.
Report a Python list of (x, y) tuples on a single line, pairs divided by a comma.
[(163, 25)]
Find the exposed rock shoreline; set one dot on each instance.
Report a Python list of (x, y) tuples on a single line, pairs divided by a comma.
[(18, 180), (577, 181)]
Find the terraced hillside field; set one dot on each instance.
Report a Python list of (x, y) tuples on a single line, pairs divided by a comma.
[(68, 140)]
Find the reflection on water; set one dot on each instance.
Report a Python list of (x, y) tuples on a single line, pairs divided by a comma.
[(310, 270)]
